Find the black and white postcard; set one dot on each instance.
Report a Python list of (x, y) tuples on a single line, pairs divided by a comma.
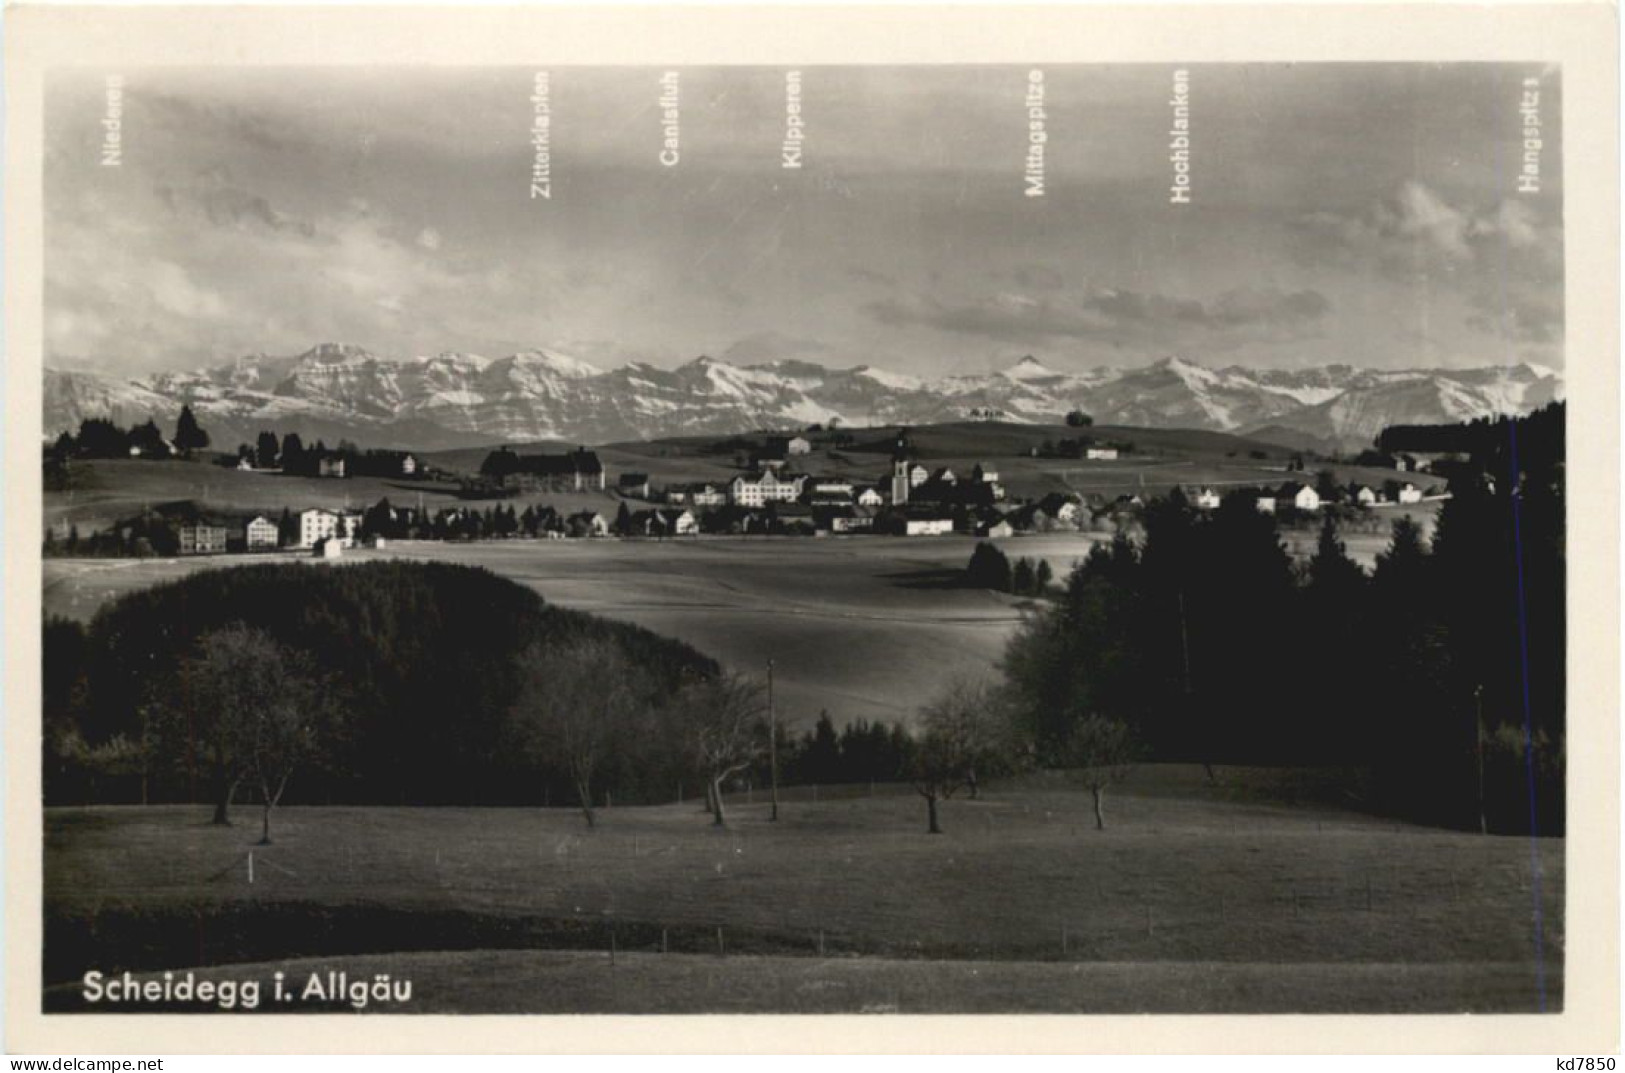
[(813, 512)]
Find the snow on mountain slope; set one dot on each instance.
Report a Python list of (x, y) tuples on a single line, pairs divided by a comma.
[(542, 394)]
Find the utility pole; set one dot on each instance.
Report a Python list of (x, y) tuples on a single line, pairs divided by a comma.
[(772, 744), (1478, 704)]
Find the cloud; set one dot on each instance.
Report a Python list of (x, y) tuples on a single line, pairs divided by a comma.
[(1114, 314), (214, 197), (1419, 213), (869, 275), (1039, 278), (768, 346), (1513, 220), (1522, 318), (1269, 307), (1417, 231), (429, 238), (175, 292)]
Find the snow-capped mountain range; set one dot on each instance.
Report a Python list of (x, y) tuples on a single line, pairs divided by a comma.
[(456, 399)]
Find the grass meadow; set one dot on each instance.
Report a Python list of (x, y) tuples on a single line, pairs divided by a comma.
[(1197, 897), (110, 491), (854, 624)]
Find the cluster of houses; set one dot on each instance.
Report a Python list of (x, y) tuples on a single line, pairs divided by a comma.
[(1294, 495), (770, 496), (325, 532)]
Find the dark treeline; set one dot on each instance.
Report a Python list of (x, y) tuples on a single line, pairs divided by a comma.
[(1214, 647), (420, 663), (293, 456), (99, 437), (860, 752), (990, 568), (1486, 441)]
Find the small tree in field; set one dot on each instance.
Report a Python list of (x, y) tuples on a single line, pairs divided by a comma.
[(937, 770), (963, 731), (1099, 753), (973, 717), (988, 568), (575, 701), (259, 709), (723, 724)]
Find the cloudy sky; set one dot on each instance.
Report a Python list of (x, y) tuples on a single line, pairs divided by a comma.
[(1343, 213)]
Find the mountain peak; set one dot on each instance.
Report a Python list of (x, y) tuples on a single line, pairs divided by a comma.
[(336, 352), (342, 389), (1029, 368), (562, 364)]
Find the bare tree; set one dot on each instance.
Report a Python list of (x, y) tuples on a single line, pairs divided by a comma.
[(1099, 753), (723, 720), (260, 708), (575, 701), (964, 730), (974, 714), (937, 770)]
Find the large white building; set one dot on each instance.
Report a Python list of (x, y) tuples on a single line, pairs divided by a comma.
[(927, 526), (764, 487), (316, 525), (260, 533)]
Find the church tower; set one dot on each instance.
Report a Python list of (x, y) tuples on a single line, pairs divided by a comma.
[(899, 481)]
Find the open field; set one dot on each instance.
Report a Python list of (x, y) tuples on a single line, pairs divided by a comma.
[(1163, 458), (1193, 885), (853, 623), (112, 491)]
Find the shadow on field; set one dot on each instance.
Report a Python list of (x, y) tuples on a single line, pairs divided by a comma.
[(928, 579)]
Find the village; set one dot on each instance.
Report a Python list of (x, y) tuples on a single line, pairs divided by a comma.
[(772, 495)]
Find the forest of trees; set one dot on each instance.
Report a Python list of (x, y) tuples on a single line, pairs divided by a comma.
[(291, 455), (990, 568), (1439, 672), (99, 437), (419, 665)]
